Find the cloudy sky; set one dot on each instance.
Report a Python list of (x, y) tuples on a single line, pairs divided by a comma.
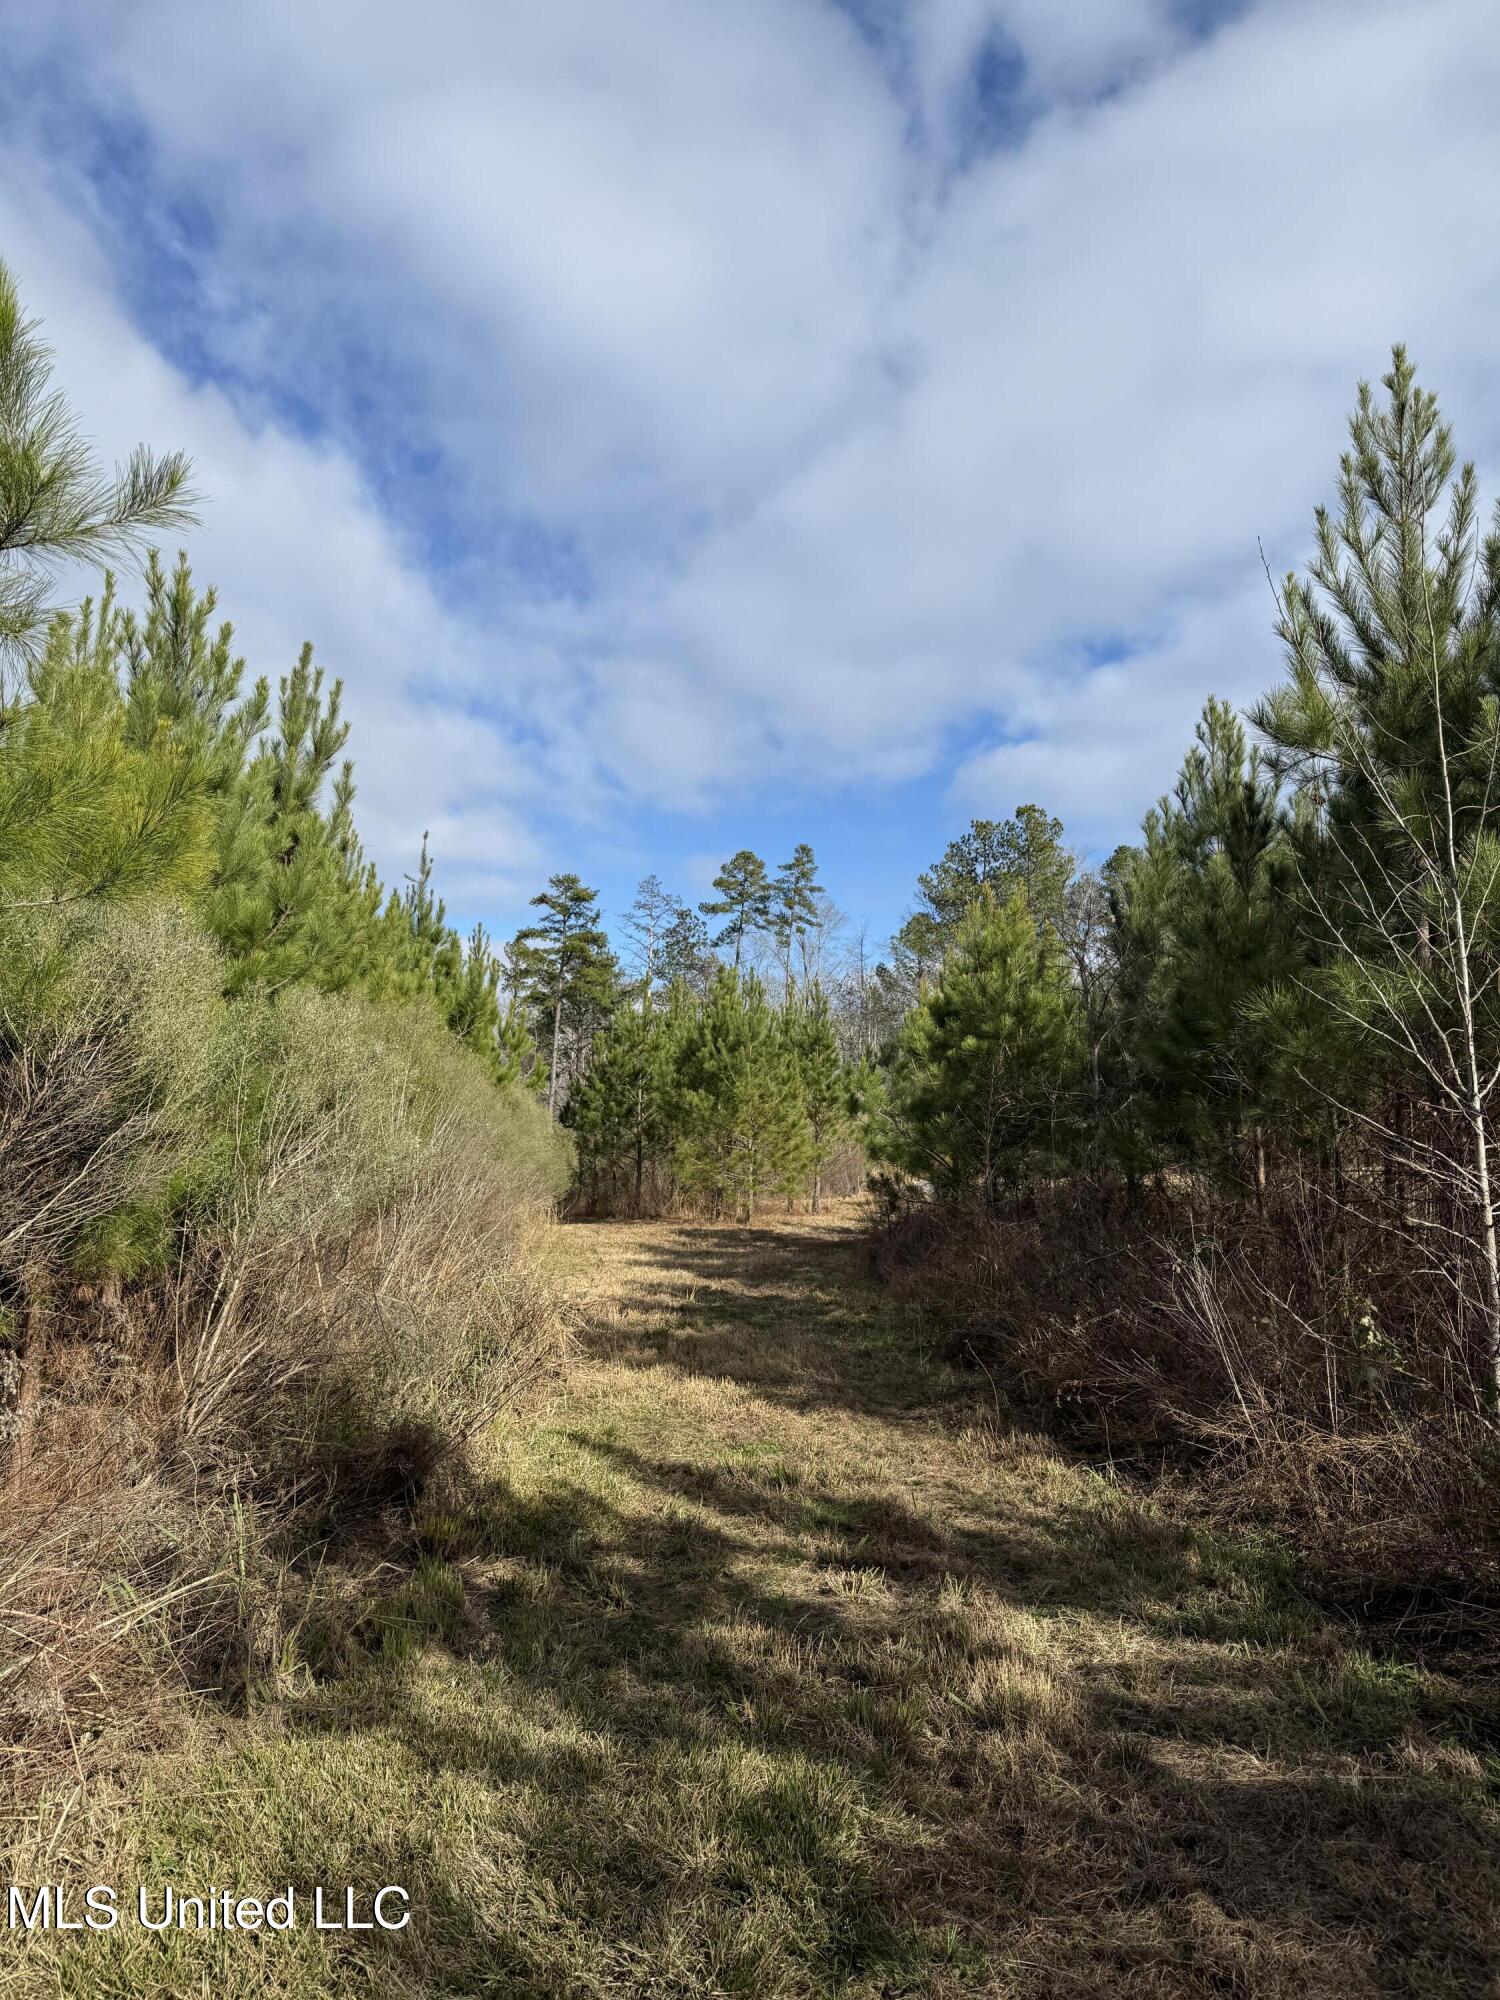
[(696, 423)]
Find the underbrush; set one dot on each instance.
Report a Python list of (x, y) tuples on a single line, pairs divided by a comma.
[(1289, 1359), (266, 1268), (603, 1196)]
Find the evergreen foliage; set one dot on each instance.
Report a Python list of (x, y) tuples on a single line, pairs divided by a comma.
[(56, 506), (746, 898), (983, 1087), (686, 955), (721, 1100), (86, 813), (793, 911), (135, 763), (1023, 852), (622, 1110), (568, 974), (827, 1086), (1206, 926), (744, 1136)]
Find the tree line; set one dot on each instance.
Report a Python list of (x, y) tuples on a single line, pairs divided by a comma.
[(142, 769), (1294, 971), (1294, 966), (703, 1068), (1293, 976)]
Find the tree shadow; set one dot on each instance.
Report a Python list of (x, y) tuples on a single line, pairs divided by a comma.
[(1230, 1844), (751, 1727)]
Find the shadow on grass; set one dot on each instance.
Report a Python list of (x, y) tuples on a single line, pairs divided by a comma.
[(746, 1729), (823, 1336)]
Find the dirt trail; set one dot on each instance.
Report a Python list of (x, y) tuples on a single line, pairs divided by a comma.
[(762, 1664)]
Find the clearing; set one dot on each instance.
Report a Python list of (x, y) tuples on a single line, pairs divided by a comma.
[(762, 1663)]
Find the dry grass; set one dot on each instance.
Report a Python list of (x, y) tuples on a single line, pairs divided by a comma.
[(282, 1267), (765, 1665), (1292, 1361)]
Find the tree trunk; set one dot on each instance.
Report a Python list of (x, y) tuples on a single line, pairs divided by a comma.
[(556, 1038), (1487, 1234)]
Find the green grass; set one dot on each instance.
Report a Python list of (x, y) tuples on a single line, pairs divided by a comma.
[(761, 1666)]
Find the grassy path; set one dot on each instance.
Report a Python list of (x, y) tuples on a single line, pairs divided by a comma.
[(759, 1667)]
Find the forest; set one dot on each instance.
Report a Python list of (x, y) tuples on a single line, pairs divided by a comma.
[(1183, 1157)]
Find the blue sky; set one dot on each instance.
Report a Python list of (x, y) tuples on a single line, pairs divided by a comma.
[(688, 427)]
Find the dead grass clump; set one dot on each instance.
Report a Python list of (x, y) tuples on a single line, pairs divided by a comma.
[(1288, 1357), (265, 1268)]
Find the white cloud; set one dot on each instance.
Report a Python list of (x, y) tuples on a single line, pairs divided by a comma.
[(856, 451), (1085, 739), (297, 549)]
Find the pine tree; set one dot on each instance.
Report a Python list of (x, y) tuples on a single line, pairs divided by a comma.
[(186, 680), (1216, 927), (745, 898), (1389, 725), (571, 971), (917, 953), (793, 911), (425, 935), (85, 813), (1023, 852), (290, 902), (824, 1082), (621, 1110), (685, 953), (56, 506), (982, 1091), (467, 990), (744, 1133)]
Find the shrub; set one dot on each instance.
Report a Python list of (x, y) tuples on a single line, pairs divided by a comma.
[(265, 1265), (1288, 1356)]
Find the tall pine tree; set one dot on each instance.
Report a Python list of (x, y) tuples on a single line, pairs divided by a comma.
[(745, 899)]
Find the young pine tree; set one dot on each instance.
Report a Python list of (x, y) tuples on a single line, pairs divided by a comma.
[(1209, 919), (86, 813), (183, 678), (620, 1111), (744, 1131), (824, 1081), (1389, 723), (467, 990), (292, 900), (982, 1090)]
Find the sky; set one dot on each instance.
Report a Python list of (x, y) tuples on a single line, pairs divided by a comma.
[(688, 426)]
